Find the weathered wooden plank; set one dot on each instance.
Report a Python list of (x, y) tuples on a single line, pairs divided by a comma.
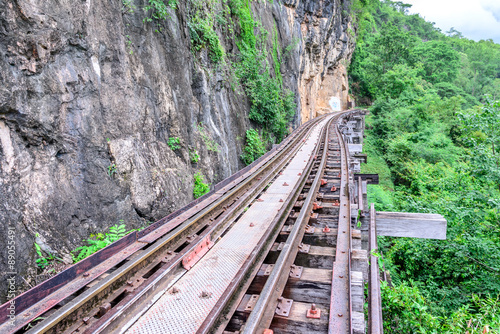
[(316, 275), (358, 322), (413, 225), (308, 292), (322, 251), (357, 291)]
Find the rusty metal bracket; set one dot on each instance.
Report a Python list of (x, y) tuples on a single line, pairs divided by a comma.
[(284, 306), (201, 249), (304, 248), (310, 229), (251, 303), (280, 246), (286, 228), (268, 270), (296, 271)]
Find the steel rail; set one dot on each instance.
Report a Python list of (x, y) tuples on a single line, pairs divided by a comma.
[(27, 299), (183, 228), (375, 302), (340, 302), (261, 316), (233, 295), (134, 302)]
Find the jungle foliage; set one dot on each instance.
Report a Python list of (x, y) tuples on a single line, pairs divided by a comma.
[(433, 134), (254, 69)]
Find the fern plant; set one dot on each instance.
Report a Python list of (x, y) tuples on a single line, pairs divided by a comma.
[(99, 241)]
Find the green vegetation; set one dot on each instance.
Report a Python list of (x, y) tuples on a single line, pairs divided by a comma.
[(112, 170), (174, 143), (43, 261), (128, 6), (254, 147), (194, 156), (200, 187), (211, 145), (272, 106), (202, 20), (433, 136), (158, 10), (99, 241)]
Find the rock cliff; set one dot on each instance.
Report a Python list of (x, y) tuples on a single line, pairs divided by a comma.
[(90, 93)]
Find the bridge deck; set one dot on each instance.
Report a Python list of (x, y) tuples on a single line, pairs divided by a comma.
[(197, 292)]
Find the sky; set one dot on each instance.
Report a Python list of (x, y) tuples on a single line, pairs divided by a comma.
[(475, 19)]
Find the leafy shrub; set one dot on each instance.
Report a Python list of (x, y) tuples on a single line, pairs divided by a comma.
[(482, 315), (200, 188), (272, 106), (405, 310), (254, 147), (158, 9), (99, 241), (174, 143), (203, 35), (202, 18), (194, 156)]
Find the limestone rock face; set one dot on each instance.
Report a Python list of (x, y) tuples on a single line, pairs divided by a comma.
[(90, 94)]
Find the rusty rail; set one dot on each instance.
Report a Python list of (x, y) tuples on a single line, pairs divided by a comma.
[(235, 292), (261, 316), (340, 301)]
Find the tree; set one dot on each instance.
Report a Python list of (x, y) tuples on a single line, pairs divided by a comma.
[(439, 60), (482, 134)]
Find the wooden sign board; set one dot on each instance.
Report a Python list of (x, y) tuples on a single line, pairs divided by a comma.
[(412, 225)]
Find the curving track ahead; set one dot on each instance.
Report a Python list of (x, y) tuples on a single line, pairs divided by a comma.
[(268, 250)]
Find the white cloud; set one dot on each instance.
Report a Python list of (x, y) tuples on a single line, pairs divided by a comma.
[(474, 19)]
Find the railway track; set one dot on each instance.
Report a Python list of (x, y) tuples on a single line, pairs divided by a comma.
[(269, 249)]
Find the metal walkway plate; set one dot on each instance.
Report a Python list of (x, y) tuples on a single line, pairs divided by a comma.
[(185, 305)]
